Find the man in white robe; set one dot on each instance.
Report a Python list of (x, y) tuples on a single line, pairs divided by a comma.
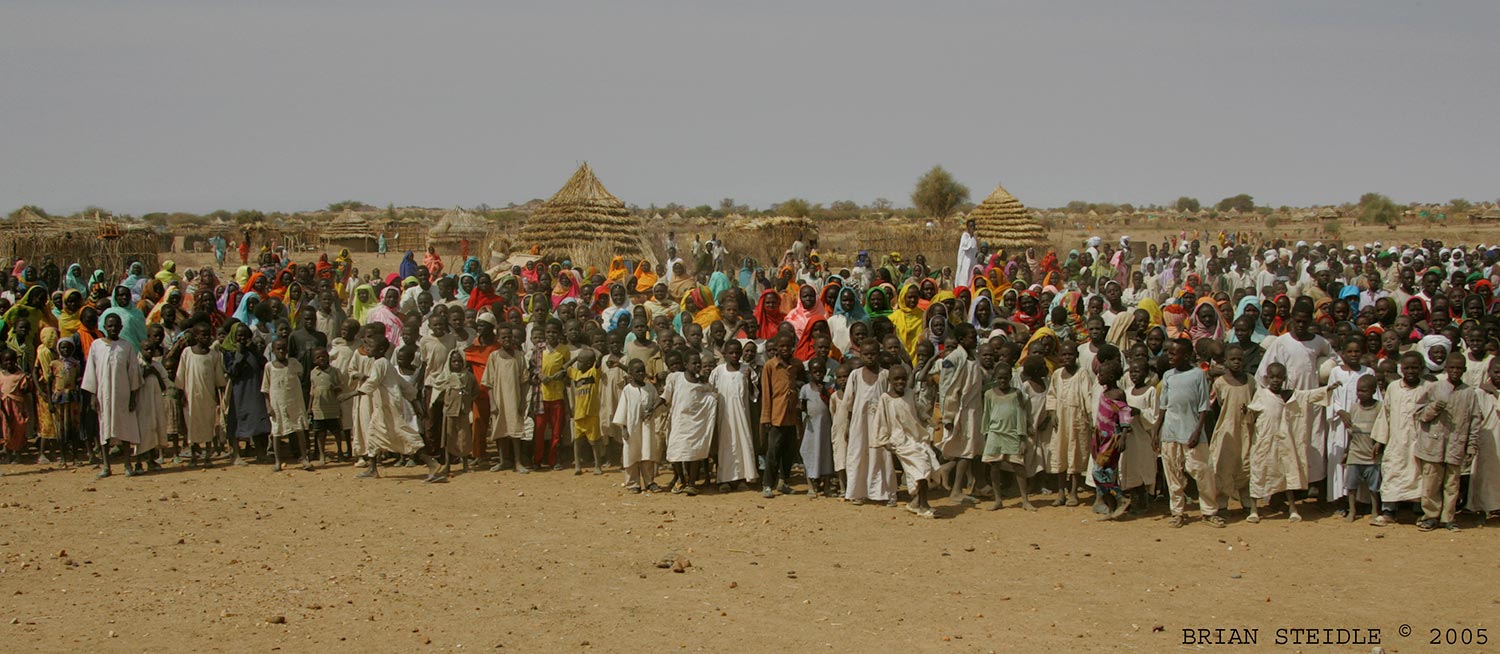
[(968, 254), (113, 377)]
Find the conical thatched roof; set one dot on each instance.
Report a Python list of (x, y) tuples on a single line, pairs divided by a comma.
[(583, 222), (1002, 221), (348, 225), (29, 221), (457, 224)]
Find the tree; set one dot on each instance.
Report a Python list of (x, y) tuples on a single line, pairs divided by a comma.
[(1377, 209), (351, 205), (1242, 203), (1460, 205), (881, 204), (1186, 203), (938, 194), (795, 207)]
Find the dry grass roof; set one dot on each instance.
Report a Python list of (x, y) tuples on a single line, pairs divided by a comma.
[(583, 220), (1002, 221)]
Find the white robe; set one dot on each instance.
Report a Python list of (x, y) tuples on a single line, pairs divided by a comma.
[(1396, 427), (1343, 398), (869, 468), (151, 409), (1484, 484), (1302, 359), (199, 377), (735, 435), (1278, 453), (633, 417), (694, 408), (961, 386), (385, 412), (968, 254), (505, 381), (112, 373)]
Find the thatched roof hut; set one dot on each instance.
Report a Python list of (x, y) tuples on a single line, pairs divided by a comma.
[(584, 222), (105, 245), (1002, 221), (349, 230), (457, 225)]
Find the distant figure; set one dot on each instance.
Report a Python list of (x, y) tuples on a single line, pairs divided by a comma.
[(219, 249), (380, 245), (245, 249), (968, 253)]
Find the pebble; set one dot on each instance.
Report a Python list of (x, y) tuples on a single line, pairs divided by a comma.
[(276, 619)]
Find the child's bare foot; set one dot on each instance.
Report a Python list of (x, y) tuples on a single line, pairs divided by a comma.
[(1253, 518), (598, 470), (1072, 500), (239, 462), (1027, 505), (1061, 500), (1120, 508), (577, 471), (276, 468), (1294, 517), (995, 506), (1350, 517)]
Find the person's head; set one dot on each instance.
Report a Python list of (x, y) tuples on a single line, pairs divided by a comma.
[(1275, 377), (817, 369), (1352, 351), (785, 344), (896, 379), (693, 333), (1455, 366), (1110, 371), (552, 333), (869, 352), (1067, 355), (747, 355), (406, 357), (1234, 358), (925, 351), (585, 360), (1364, 389), (1180, 355), (1034, 368), (732, 349), (112, 326), (1097, 332), (279, 349), (1412, 368), (1494, 371)]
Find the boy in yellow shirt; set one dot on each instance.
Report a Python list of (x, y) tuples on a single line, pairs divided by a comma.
[(550, 422), (584, 377)]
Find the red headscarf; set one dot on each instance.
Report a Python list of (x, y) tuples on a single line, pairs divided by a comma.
[(768, 314)]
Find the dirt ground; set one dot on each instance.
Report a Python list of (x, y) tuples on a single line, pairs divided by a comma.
[(244, 559)]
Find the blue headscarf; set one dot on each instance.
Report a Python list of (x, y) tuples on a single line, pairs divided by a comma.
[(74, 280), (1351, 294), (132, 321), (243, 314), (718, 283), (857, 314), (1260, 333), (747, 275), (472, 267), (408, 266)]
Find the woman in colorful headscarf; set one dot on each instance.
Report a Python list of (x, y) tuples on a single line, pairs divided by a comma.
[(151, 294), (132, 320), (1207, 321), (718, 282), (809, 307), (407, 268), (699, 308), (878, 300), (681, 282), (645, 279), (168, 273), (846, 311), (660, 303), (617, 270), (806, 347), (433, 262), (746, 277), (618, 301), (74, 280), (33, 308), (170, 304), (245, 312), (69, 318), (385, 313), (907, 318), (565, 287), (361, 302), (768, 315), (136, 279), (1175, 318), (1042, 343), (1028, 310), (1250, 306), (982, 315)]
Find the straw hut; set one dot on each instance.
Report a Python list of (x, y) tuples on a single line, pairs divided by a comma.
[(766, 238), (1003, 222), (105, 245), (351, 231), (585, 223), (458, 226)]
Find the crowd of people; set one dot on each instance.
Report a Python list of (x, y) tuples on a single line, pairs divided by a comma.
[(1224, 367)]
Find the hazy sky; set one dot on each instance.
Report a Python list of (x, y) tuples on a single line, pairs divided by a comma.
[(199, 105)]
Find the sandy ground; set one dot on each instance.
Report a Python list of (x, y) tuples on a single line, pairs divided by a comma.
[(244, 559)]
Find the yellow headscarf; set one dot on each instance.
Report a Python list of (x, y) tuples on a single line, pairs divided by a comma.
[(1152, 309), (908, 321)]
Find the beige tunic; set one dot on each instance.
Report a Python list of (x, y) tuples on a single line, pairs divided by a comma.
[(1138, 461), (633, 416), (1484, 485), (1229, 447), (112, 373), (901, 432), (505, 381), (1396, 428), (961, 386), (282, 385), (1278, 455), (385, 411), (1070, 400), (199, 377)]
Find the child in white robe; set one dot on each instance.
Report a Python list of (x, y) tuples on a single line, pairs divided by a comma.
[(736, 436), (900, 430), (1278, 457), (694, 412), (633, 416)]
